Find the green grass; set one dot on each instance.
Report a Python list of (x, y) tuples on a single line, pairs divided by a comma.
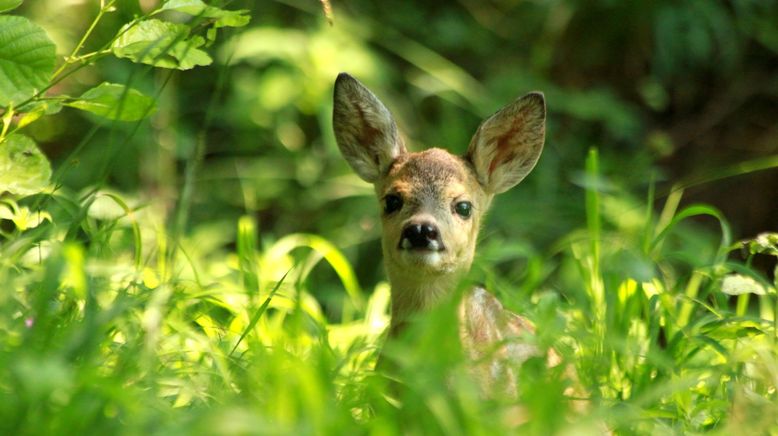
[(174, 311), (110, 325)]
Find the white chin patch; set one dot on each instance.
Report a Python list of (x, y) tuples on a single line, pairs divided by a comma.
[(428, 258)]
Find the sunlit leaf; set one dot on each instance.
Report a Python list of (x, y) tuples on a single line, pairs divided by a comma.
[(232, 19), (105, 207), (737, 284), (22, 217), (329, 252), (38, 109), (191, 7), (74, 276), (27, 57), (224, 18), (258, 313), (115, 102), (733, 328), (161, 44), (24, 170), (6, 213), (764, 243), (7, 5)]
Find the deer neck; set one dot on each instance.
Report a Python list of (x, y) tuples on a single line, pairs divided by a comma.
[(412, 294)]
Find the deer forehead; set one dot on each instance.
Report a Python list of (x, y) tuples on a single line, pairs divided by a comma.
[(431, 175)]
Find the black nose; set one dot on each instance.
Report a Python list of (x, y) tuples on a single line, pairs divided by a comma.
[(421, 235)]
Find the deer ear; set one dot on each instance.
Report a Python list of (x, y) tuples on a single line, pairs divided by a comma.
[(364, 129), (507, 145)]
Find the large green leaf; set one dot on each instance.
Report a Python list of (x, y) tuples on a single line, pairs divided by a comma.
[(224, 18), (115, 102), (27, 57), (24, 170), (7, 5), (161, 44)]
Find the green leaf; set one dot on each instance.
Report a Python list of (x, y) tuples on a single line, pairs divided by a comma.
[(224, 18), (115, 102), (191, 7), (734, 328), (6, 212), (738, 284), (22, 217), (27, 57), (37, 109), (24, 170), (233, 19), (7, 5), (764, 243), (161, 44)]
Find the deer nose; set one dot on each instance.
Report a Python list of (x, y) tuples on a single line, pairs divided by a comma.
[(421, 235)]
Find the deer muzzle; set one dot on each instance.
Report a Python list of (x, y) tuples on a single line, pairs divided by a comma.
[(421, 236)]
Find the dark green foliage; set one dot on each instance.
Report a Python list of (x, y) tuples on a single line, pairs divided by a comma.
[(202, 261)]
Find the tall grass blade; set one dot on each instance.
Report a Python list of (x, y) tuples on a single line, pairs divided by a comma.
[(246, 247), (258, 314), (133, 225), (595, 284)]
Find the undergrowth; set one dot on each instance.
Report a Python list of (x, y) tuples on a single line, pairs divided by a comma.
[(106, 328), (117, 317)]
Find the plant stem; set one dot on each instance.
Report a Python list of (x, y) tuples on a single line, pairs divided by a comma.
[(72, 58), (775, 320), (687, 305), (742, 304), (193, 164)]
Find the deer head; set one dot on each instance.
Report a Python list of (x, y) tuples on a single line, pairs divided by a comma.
[(432, 202)]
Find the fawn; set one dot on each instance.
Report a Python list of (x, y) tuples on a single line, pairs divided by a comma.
[(433, 204)]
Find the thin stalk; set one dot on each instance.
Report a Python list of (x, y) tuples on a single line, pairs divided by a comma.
[(720, 173), (692, 289), (194, 161), (247, 242), (104, 7), (666, 217), (648, 234), (258, 314)]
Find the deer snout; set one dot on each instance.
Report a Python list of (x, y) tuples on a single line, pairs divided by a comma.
[(421, 236)]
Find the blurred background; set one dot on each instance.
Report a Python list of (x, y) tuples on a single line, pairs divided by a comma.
[(675, 95)]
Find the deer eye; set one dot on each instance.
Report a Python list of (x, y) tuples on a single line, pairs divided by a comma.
[(392, 203), (463, 209)]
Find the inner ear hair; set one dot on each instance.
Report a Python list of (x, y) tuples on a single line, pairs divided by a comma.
[(506, 146)]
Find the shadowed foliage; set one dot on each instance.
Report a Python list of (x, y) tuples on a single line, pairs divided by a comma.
[(183, 250)]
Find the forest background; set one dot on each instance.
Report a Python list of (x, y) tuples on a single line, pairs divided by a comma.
[(200, 254)]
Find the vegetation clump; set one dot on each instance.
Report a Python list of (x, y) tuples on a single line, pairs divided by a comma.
[(183, 251)]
